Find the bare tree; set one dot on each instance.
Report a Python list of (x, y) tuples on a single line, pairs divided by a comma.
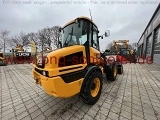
[(113, 48), (109, 46), (33, 37), (21, 39), (45, 37), (47, 33), (56, 35), (48, 36), (3, 39), (11, 42), (42, 39)]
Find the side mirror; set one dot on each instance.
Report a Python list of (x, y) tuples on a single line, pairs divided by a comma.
[(107, 33)]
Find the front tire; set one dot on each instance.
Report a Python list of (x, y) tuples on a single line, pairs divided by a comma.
[(92, 88)]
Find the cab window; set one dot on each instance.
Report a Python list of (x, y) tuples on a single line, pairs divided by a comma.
[(95, 38)]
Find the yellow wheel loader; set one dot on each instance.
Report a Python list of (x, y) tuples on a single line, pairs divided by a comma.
[(75, 68), (2, 60), (19, 54)]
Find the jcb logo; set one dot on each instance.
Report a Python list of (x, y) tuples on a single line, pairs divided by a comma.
[(23, 54)]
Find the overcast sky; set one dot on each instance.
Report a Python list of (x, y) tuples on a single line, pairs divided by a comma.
[(124, 19)]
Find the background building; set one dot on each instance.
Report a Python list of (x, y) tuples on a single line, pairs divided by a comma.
[(149, 42)]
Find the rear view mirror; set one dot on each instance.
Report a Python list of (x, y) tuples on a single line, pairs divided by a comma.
[(107, 33)]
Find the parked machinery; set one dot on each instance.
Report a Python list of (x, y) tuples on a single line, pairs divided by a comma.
[(19, 55), (124, 52), (110, 57), (124, 46), (2, 59), (78, 66)]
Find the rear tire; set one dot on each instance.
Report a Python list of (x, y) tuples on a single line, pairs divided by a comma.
[(92, 88), (111, 72)]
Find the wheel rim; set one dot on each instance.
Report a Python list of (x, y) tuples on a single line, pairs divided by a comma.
[(95, 87), (115, 71)]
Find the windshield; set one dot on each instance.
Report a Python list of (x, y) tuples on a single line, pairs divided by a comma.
[(75, 34), (79, 34)]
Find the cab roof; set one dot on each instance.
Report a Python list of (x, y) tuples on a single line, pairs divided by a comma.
[(82, 17)]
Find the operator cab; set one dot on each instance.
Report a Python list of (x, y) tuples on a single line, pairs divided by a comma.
[(81, 31)]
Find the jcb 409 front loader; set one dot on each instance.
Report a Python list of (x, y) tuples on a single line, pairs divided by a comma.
[(76, 67)]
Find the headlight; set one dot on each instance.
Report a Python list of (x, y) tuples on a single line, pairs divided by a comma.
[(44, 73), (39, 60)]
